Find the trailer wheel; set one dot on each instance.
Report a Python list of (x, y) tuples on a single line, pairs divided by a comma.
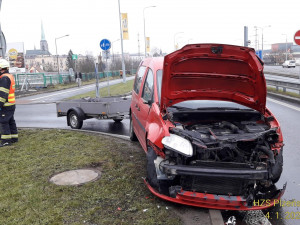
[(117, 120), (132, 135), (74, 120)]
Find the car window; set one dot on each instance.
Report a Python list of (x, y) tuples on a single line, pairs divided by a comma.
[(148, 86), (139, 79), (158, 83)]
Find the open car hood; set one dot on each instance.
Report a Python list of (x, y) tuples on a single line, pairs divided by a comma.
[(214, 72)]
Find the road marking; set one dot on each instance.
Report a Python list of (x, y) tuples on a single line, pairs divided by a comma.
[(60, 93), (284, 104)]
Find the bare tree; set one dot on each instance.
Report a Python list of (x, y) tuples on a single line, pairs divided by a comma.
[(86, 65), (70, 62)]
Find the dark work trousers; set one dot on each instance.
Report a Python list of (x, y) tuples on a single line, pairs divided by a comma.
[(8, 128)]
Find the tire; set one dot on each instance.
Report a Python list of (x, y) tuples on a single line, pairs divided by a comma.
[(74, 121), (151, 171), (162, 186), (132, 135), (117, 120), (278, 167)]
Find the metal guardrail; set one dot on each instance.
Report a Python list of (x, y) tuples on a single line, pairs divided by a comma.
[(284, 85)]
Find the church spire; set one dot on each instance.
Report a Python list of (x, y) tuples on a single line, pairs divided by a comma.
[(43, 42), (42, 32)]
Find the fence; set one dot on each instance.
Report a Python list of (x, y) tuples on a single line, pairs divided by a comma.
[(42, 80)]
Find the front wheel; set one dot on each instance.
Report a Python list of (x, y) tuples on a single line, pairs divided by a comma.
[(74, 121), (117, 120)]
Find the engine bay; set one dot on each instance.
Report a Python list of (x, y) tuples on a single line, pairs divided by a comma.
[(234, 140)]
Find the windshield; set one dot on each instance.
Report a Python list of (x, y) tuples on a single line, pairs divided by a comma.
[(210, 104)]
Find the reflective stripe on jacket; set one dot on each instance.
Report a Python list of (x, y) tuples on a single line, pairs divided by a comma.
[(11, 92)]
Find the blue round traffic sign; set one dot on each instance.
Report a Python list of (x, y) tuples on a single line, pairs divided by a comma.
[(105, 44)]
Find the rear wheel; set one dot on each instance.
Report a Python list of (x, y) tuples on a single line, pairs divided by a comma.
[(74, 121), (117, 120), (132, 135)]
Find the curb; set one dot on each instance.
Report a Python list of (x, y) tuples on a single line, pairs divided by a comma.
[(124, 137), (284, 97)]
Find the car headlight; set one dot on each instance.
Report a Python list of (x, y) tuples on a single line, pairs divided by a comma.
[(178, 144)]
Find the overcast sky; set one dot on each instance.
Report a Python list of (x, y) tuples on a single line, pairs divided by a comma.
[(89, 21)]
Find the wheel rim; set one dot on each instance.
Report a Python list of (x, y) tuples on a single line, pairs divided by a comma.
[(73, 120)]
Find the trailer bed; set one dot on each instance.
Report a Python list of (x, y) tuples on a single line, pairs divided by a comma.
[(116, 108)]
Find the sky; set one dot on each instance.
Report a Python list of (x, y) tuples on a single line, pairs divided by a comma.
[(170, 21)]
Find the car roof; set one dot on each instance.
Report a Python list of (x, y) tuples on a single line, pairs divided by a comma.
[(155, 63)]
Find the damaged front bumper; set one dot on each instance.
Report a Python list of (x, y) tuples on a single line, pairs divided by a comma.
[(215, 201), (251, 174)]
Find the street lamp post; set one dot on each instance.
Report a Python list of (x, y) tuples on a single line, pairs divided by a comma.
[(145, 27), (121, 36), (262, 40), (56, 50), (174, 38), (285, 46)]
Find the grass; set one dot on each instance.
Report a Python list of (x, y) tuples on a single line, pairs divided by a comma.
[(292, 94), (58, 87), (119, 197), (117, 89)]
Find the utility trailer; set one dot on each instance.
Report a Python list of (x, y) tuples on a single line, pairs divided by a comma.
[(116, 108)]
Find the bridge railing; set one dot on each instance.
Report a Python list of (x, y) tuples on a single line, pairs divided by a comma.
[(42, 80)]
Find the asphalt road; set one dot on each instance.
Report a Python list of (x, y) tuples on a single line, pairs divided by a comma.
[(278, 69), (44, 115)]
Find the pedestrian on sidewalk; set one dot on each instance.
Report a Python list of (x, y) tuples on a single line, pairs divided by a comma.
[(79, 79), (8, 127)]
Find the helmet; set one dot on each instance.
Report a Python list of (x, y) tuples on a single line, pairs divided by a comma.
[(4, 64)]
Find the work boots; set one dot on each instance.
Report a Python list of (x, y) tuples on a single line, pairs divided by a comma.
[(5, 143)]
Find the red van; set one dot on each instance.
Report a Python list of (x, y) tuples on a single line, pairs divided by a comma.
[(200, 115)]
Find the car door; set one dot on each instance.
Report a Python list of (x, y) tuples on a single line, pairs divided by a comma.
[(136, 95), (145, 103)]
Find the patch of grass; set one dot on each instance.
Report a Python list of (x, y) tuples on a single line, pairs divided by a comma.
[(292, 94), (27, 196), (116, 89)]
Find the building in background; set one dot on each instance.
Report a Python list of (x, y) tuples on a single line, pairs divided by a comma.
[(41, 60), (279, 52)]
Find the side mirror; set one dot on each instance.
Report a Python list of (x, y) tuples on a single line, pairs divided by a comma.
[(148, 102)]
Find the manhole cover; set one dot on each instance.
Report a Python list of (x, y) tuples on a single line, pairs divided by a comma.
[(75, 177)]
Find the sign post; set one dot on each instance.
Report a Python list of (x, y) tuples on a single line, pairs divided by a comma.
[(75, 57), (105, 45), (297, 41)]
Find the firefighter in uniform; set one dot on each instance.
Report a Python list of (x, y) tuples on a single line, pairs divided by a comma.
[(8, 128)]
